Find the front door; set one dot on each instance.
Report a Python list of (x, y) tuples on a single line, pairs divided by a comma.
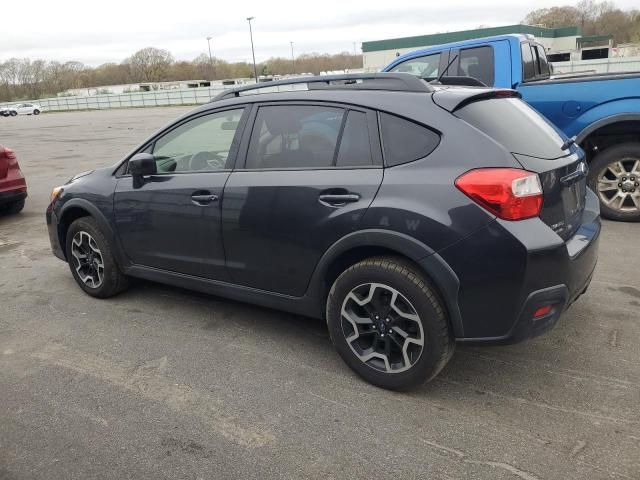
[(172, 220), (309, 175)]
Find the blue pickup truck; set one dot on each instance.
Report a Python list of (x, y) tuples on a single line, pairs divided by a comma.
[(601, 112)]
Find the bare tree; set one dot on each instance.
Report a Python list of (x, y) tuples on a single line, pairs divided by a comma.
[(150, 64)]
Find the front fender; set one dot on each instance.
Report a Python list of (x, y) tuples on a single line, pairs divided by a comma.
[(627, 109), (425, 257)]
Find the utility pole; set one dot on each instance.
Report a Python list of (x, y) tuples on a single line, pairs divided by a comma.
[(253, 53), (293, 59), (211, 71)]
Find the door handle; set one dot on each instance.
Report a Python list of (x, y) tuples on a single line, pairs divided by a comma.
[(338, 199), (204, 199)]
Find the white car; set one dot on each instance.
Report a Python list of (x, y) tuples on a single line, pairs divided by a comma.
[(27, 109)]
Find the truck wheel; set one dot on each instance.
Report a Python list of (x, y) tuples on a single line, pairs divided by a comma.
[(615, 176), (91, 260), (388, 324)]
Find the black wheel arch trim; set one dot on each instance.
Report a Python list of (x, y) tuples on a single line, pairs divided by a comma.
[(425, 257), (603, 122), (99, 217)]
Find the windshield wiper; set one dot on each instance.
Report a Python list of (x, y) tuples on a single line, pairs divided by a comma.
[(437, 80)]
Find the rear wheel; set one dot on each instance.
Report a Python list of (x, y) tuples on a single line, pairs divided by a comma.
[(91, 260), (388, 324), (13, 113), (615, 177)]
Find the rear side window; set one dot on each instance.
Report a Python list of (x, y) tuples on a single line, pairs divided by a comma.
[(528, 69), (355, 145), (404, 141), (294, 136), (542, 65), (423, 67), (515, 125), (477, 63)]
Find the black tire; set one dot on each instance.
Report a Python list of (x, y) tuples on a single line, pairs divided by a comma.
[(405, 278), (13, 113), (36, 112), (113, 280), (13, 207), (598, 167)]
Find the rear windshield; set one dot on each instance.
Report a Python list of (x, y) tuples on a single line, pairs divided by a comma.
[(516, 126)]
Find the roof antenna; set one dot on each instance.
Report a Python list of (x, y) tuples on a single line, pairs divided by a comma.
[(437, 80)]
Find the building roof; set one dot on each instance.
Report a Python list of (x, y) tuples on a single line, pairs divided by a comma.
[(449, 37)]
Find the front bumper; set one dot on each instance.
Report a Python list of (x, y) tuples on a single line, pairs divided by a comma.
[(54, 238), (510, 269)]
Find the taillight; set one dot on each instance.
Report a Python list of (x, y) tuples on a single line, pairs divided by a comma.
[(509, 193)]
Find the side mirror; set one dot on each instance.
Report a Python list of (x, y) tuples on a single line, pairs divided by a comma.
[(142, 165)]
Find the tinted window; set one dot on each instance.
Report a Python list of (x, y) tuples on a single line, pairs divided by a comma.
[(201, 144), (542, 66), (424, 67), (528, 68), (477, 63), (296, 136), (355, 145), (405, 141), (515, 125)]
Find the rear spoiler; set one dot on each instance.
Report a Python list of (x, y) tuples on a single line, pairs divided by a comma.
[(452, 99)]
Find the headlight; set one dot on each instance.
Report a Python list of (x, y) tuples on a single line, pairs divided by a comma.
[(55, 193)]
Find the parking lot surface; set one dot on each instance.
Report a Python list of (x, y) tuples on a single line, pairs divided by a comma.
[(164, 383)]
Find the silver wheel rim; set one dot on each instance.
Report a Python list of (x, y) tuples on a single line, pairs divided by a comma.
[(382, 328), (87, 259), (619, 185)]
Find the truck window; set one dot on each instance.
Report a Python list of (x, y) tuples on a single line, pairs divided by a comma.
[(477, 63), (528, 69), (423, 67), (540, 57)]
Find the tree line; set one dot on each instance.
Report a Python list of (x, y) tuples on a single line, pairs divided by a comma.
[(593, 17), (22, 78)]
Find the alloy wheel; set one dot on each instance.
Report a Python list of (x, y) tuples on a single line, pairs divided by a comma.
[(619, 185), (382, 328), (87, 259)]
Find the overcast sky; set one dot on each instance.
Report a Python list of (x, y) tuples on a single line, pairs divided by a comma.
[(109, 31)]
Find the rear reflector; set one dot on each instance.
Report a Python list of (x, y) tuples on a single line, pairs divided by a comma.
[(543, 311), (509, 193)]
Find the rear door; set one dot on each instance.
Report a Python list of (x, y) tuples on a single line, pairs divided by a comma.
[(309, 174)]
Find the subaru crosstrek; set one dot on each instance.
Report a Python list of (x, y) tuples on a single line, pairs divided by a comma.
[(408, 215)]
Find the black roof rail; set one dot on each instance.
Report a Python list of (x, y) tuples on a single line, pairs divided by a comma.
[(460, 81), (401, 82)]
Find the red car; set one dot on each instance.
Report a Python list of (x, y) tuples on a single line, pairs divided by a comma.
[(13, 187)]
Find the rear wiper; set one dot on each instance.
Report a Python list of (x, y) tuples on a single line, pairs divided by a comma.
[(568, 142)]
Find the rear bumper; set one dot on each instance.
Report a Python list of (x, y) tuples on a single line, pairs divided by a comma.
[(510, 269), (12, 196)]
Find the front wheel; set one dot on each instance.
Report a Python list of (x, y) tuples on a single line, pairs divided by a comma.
[(36, 112), (388, 324), (13, 113), (91, 260), (615, 176)]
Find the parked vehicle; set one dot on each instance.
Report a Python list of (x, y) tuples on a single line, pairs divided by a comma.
[(27, 109), (13, 186), (8, 111), (409, 216), (601, 112)]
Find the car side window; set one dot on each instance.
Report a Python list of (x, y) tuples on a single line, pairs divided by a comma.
[(294, 136), (404, 141), (201, 144), (355, 144), (477, 63), (540, 61), (423, 67)]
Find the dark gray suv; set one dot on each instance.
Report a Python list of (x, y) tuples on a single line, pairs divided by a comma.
[(409, 215)]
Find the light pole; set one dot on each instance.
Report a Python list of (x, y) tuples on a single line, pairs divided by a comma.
[(293, 59), (253, 53), (210, 58)]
